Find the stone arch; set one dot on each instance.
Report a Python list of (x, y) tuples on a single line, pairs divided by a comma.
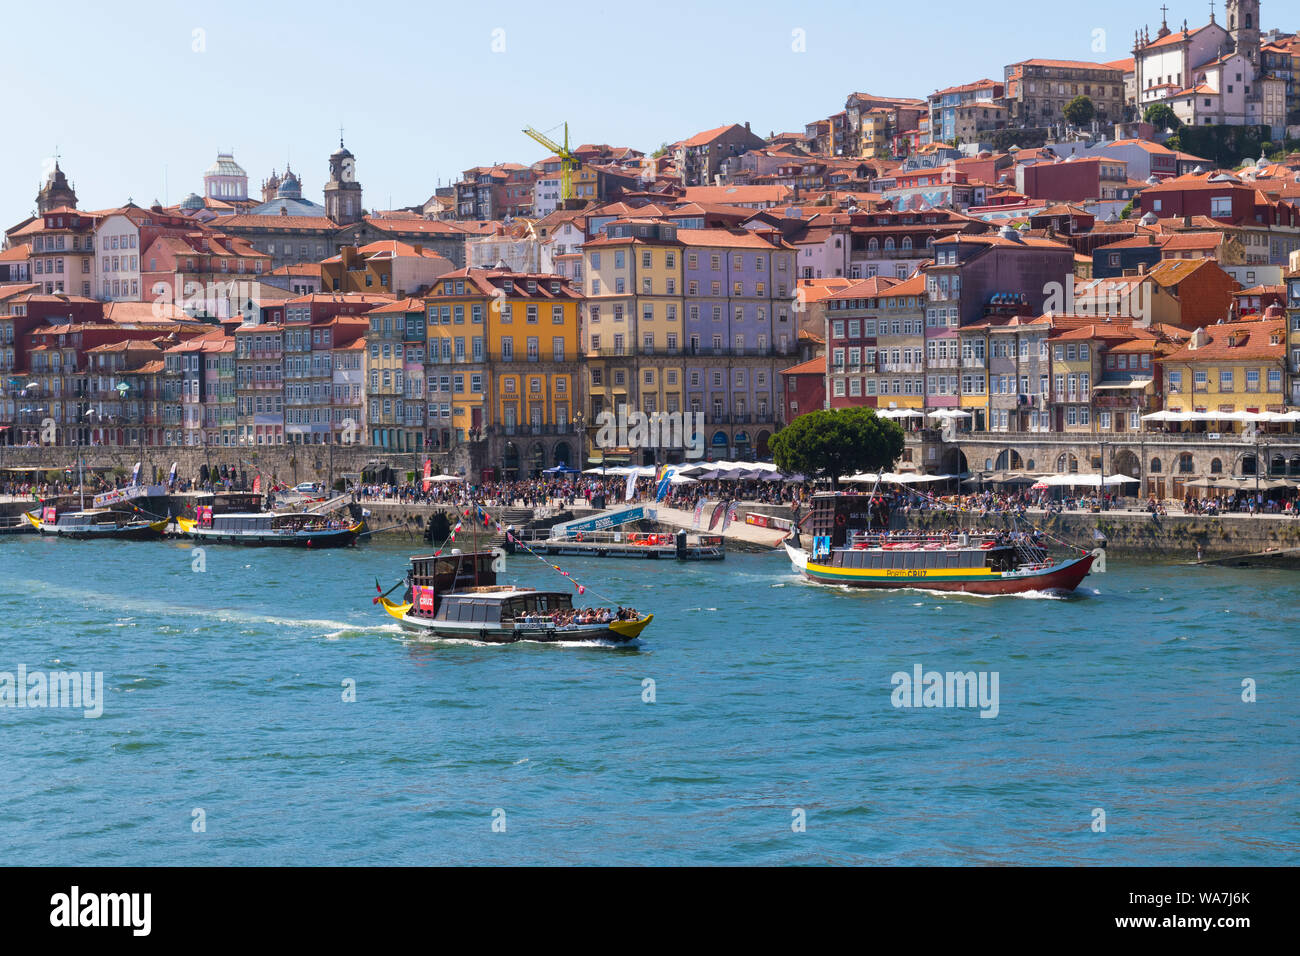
[(1247, 464), (1293, 466), (954, 462), (760, 443), (1277, 465), (1216, 466), (562, 454), (1186, 463), (1156, 466), (536, 458), (1009, 460), (1125, 462), (510, 460), (1067, 463)]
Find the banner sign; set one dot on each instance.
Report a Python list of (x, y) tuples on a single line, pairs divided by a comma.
[(128, 494)]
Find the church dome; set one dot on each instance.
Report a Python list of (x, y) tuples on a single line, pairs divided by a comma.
[(289, 187), (192, 203), (225, 165)]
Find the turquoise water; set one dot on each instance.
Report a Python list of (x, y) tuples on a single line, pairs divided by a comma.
[(224, 694)]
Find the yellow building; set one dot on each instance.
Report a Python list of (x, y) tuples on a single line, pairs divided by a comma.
[(504, 367), (633, 326), (1231, 367)]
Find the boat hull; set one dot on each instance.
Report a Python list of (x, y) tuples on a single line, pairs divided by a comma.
[(152, 531), (336, 538), (615, 632), (1061, 578)]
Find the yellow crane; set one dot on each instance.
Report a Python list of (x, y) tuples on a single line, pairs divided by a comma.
[(569, 163)]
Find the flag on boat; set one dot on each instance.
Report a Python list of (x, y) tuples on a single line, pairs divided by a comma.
[(718, 510), (665, 481), (257, 482), (629, 491), (699, 510), (1097, 535)]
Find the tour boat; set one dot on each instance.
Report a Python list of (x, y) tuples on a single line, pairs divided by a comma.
[(850, 548), (269, 529), (97, 523), (455, 595)]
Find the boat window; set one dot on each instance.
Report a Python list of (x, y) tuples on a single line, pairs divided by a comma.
[(951, 559), (480, 611)]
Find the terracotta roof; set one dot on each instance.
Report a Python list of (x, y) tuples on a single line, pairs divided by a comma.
[(1235, 341), (814, 366), (867, 288), (18, 253)]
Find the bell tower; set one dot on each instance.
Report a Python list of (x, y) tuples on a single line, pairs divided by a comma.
[(1243, 27), (343, 192)]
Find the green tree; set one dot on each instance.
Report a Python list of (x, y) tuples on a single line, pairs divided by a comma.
[(1079, 111), (1162, 116), (828, 444)]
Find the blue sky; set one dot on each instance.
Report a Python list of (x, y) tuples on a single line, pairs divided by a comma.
[(422, 95)]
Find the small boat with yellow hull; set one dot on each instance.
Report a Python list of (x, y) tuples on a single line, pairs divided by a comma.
[(456, 596), (97, 524)]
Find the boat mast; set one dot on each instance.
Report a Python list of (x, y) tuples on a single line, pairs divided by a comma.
[(81, 479)]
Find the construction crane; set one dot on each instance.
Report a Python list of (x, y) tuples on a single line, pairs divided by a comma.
[(569, 163)]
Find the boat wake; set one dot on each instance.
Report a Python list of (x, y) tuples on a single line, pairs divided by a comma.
[(324, 627), (422, 639), (1077, 594)]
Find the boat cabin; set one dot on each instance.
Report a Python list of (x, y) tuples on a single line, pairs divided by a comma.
[(93, 518), (836, 515), (431, 576), (501, 605)]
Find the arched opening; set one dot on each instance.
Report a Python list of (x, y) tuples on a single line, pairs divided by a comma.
[(1293, 466), (1277, 466), (1216, 466), (954, 462), (1156, 466), (510, 460), (760, 445), (1009, 460), (1248, 463), (536, 459), (1125, 463), (562, 454), (1067, 463), (1185, 463)]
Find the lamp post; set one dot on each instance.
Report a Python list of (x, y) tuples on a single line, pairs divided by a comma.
[(1102, 486)]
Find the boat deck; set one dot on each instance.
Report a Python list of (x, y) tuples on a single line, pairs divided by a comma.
[(646, 546)]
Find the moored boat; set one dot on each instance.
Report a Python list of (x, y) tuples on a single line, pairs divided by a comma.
[(850, 547), (455, 595), (269, 529), (97, 523)]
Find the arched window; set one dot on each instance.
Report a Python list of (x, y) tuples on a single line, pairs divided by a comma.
[(1216, 467), (907, 243), (889, 244), (1156, 466), (1185, 463), (873, 246)]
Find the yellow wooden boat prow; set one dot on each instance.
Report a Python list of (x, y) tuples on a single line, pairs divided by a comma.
[(31, 516), (396, 610), (631, 629)]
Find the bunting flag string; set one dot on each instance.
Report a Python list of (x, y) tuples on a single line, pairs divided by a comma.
[(489, 521)]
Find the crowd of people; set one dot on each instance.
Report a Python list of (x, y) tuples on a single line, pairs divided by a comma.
[(573, 617)]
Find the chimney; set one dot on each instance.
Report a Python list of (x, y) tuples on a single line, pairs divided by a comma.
[(1142, 268)]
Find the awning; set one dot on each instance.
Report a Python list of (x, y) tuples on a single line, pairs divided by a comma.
[(1116, 386)]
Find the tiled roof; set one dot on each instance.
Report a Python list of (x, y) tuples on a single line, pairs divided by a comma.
[(814, 366), (1237, 341)]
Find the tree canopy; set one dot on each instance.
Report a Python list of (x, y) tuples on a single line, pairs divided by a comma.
[(1162, 116), (1079, 111), (828, 444)]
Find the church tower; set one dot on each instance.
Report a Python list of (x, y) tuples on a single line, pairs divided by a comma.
[(343, 192), (56, 192), (1243, 27)]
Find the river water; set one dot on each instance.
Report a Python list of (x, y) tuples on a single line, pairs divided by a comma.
[(754, 723)]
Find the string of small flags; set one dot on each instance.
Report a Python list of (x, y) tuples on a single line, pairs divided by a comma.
[(487, 519)]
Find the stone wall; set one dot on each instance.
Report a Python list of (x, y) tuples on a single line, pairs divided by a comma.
[(1138, 534)]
